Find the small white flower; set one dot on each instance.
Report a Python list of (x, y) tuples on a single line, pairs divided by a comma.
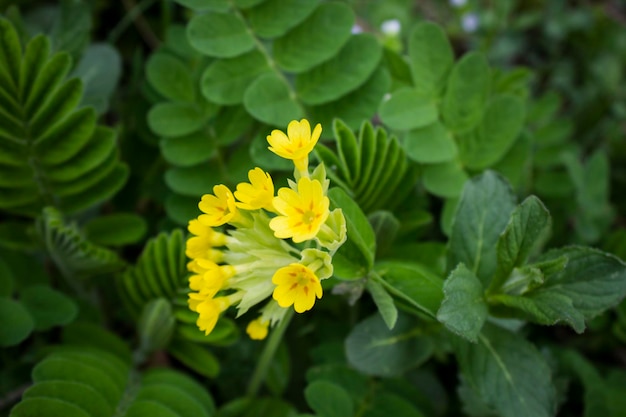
[(356, 29), (391, 27), (458, 3), (470, 22)]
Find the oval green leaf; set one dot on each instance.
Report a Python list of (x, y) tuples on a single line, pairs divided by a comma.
[(221, 35), (270, 100)]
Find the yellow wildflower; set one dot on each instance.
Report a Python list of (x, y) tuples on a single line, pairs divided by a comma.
[(257, 329), (296, 144), (211, 277), (209, 311), (298, 285), (219, 208), (302, 213), (201, 245), (258, 193)]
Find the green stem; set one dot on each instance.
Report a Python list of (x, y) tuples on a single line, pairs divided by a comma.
[(268, 354)]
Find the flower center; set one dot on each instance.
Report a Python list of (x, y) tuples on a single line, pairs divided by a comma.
[(308, 217)]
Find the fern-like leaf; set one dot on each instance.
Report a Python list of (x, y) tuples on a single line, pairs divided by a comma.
[(52, 153)]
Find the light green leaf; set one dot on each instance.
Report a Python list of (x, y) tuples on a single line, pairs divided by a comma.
[(463, 309), (116, 229), (408, 109), (413, 284), (175, 119), (328, 399), (221, 35), (528, 228), (343, 73), (501, 125), (270, 99), (316, 39), (15, 322), (170, 77), (273, 18), (359, 230), (465, 96), (482, 214), (507, 373), (383, 301), (445, 179), (188, 150), (431, 58), (225, 81), (375, 350), (48, 307), (430, 144)]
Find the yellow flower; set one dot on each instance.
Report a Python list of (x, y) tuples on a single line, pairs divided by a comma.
[(211, 277), (201, 245), (302, 213), (219, 208), (209, 311), (297, 143), (298, 285), (257, 329), (258, 193)]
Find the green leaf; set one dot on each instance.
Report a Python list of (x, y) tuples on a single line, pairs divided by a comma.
[(195, 357), (274, 18), (483, 212), (385, 404), (170, 77), (445, 179), (316, 39), (375, 350), (408, 109), (221, 35), (350, 68), (594, 280), (359, 230), (430, 144), (47, 406), (48, 307), (328, 399), (7, 280), (464, 101), (175, 119), (10, 50), (15, 321), (270, 99), (116, 229), (167, 376), (528, 228), (72, 393), (507, 374), (204, 5), (89, 335), (431, 58), (413, 284), (225, 81), (188, 150), (463, 309), (192, 181), (386, 227), (384, 303), (501, 125)]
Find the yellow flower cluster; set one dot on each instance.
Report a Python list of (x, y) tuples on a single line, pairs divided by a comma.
[(279, 245)]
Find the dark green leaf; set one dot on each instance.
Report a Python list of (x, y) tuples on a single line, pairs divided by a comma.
[(175, 119), (383, 301), (328, 399), (445, 179), (48, 307), (195, 357), (273, 18), (463, 309), (15, 321), (100, 69), (316, 39), (170, 77), (430, 144), (203, 5), (385, 404), (116, 229), (483, 212)]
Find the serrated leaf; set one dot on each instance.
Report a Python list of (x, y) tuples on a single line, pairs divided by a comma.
[(359, 230), (465, 96), (225, 81), (170, 77), (413, 284), (270, 99), (350, 68), (430, 144), (483, 212), (303, 48), (431, 58), (15, 322), (273, 18), (463, 309), (507, 374), (48, 307), (501, 125), (528, 228), (445, 179), (375, 350), (408, 109), (328, 399), (221, 35)]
